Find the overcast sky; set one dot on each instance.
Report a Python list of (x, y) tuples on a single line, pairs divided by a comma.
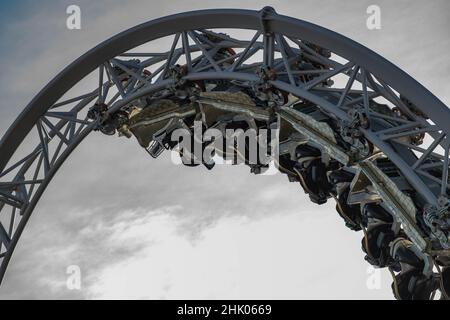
[(144, 228)]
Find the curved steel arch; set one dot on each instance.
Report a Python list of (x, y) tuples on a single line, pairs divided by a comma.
[(267, 21), (220, 18)]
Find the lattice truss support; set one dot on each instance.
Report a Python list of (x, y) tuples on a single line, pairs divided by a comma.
[(263, 61)]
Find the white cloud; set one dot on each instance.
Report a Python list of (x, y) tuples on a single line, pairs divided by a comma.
[(237, 258)]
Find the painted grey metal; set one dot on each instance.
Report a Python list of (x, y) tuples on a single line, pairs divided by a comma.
[(221, 18), (267, 21)]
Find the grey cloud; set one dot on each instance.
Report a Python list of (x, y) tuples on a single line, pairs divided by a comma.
[(107, 176)]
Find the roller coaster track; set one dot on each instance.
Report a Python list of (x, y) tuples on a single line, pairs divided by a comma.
[(352, 126)]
